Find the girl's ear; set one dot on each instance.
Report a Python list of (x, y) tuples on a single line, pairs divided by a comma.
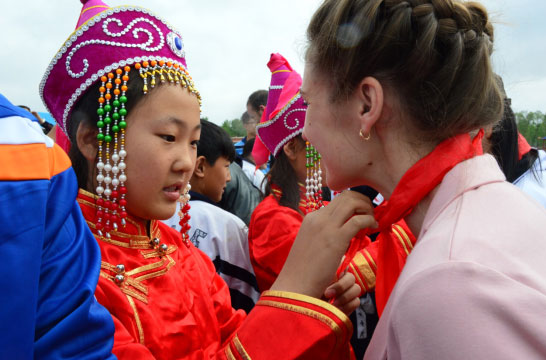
[(86, 140), (291, 149), (199, 171)]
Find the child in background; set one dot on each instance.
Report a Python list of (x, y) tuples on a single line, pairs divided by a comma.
[(119, 87), (218, 233)]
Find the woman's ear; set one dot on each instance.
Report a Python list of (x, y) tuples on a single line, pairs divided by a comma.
[(199, 171), (86, 140), (371, 97)]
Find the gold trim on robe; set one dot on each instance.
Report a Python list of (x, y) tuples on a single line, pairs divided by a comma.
[(364, 271), (311, 300), (240, 349), (137, 320)]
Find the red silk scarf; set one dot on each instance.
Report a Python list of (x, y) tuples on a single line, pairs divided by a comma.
[(415, 185)]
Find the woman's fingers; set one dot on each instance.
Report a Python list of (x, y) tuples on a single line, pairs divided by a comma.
[(322, 240), (346, 205), (355, 224)]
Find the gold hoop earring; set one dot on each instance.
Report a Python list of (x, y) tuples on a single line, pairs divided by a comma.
[(367, 137)]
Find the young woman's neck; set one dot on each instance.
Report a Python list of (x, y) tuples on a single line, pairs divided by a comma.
[(398, 156)]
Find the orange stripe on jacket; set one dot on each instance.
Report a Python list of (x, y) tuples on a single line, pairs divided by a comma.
[(31, 162)]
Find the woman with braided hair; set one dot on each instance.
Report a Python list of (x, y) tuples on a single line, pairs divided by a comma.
[(398, 93)]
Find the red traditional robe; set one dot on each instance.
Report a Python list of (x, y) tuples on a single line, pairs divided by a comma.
[(173, 305), (273, 229), (271, 233)]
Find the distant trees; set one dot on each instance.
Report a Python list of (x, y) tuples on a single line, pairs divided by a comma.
[(234, 127), (532, 125)]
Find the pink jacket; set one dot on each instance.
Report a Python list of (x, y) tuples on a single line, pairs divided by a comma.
[(474, 286)]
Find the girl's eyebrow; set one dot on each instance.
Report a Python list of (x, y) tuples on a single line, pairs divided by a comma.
[(179, 122)]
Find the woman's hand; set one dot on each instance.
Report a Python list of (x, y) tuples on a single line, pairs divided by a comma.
[(322, 240), (344, 293)]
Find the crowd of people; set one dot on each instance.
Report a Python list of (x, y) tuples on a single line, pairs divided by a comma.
[(381, 206)]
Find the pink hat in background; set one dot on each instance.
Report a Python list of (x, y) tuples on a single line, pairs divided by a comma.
[(284, 115)]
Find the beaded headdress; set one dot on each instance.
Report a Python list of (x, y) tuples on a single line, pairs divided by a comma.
[(283, 120), (106, 45)]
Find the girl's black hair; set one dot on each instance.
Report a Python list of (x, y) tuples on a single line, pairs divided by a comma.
[(85, 110), (504, 146), (282, 174)]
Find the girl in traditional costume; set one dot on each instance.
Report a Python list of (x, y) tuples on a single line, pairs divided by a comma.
[(276, 220), (294, 189), (120, 89), (397, 93)]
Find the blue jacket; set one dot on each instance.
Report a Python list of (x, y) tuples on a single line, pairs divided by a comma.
[(49, 260)]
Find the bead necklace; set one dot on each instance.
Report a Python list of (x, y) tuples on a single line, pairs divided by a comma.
[(313, 181)]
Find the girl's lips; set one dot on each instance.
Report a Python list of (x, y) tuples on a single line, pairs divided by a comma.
[(172, 192)]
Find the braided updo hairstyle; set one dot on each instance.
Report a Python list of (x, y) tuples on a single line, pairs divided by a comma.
[(435, 55)]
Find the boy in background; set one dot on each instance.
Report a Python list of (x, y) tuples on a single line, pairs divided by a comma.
[(218, 233)]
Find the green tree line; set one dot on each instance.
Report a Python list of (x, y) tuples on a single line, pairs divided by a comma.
[(234, 127), (532, 125)]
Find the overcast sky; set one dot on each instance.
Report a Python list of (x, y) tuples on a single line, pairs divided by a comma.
[(228, 44)]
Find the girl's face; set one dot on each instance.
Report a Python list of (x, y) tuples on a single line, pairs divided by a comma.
[(161, 142)]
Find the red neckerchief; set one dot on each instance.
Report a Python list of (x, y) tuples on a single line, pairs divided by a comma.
[(415, 185)]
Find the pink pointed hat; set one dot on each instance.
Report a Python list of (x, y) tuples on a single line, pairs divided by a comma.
[(108, 46), (284, 115), (106, 38)]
